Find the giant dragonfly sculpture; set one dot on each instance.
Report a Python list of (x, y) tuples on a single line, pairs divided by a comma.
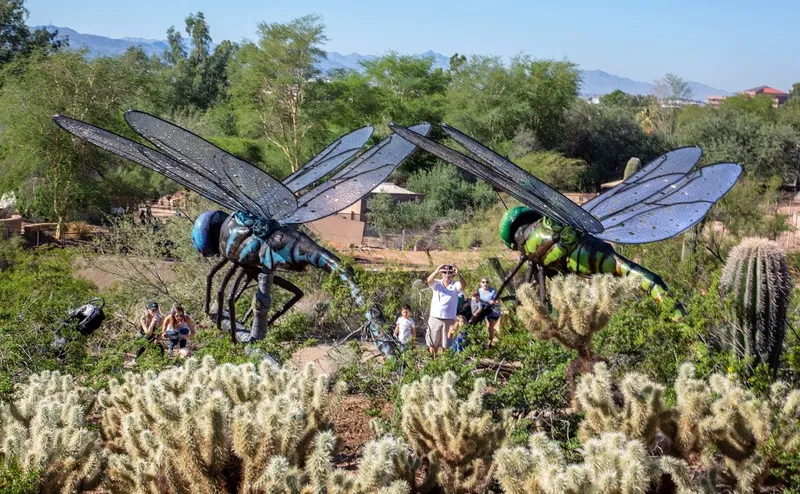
[(553, 234), (260, 236)]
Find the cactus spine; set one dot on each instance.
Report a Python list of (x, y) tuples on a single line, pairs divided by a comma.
[(756, 276)]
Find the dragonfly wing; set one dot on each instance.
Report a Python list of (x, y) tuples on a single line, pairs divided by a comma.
[(671, 209), (355, 180), (152, 159), (331, 158), (252, 186), (559, 206), (498, 179), (656, 175)]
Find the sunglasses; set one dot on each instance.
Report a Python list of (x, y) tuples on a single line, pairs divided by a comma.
[(484, 281)]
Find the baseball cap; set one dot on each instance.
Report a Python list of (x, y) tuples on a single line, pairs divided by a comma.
[(152, 305)]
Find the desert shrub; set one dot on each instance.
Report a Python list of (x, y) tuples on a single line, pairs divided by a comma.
[(562, 173)]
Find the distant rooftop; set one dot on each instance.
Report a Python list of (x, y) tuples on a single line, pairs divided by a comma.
[(390, 188), (765, 90)]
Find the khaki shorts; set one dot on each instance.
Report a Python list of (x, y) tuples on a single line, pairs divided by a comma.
[(436, 336)]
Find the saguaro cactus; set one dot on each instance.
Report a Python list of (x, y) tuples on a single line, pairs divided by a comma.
[(757, 277)]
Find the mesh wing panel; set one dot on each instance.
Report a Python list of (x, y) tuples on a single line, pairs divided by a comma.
[(556, 205), (332, 157), (673, 209), (152, 159), (252, 186)]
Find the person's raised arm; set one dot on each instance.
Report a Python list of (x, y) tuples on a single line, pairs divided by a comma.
[(460, 278), (432, 276)]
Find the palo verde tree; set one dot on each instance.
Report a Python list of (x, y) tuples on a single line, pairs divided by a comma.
[(271, 78)]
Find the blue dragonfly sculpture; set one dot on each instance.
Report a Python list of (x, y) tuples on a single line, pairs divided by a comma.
[(260, 236)]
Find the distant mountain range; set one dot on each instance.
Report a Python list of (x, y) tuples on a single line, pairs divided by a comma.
[(595, 82)]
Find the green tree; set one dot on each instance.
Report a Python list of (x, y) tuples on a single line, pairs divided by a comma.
[(730, 134), (624, 100), (16, 38), (493, 102), (271, 81), (662, 115), (760, 106), (606, 138), (795, 92), (56, 176), (197, 79), (558, 171)]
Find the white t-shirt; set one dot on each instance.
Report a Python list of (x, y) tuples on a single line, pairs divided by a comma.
[(444, 304), (404, 327)]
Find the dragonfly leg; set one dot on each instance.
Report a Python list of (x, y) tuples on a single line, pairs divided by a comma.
[(529, 273), (291, 287), (221, 293), (511, 274), (232, 297), (261, 304), (210, 279), (541, 279)]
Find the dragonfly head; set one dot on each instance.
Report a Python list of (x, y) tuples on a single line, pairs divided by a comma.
[(515, 218), (205, 233)]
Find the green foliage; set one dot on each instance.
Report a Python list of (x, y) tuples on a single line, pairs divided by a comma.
[(621, 99), (447, 195), (759, 106), (756, 277), (606, 138), (16, 38), (15, 480), (492, 102), (56, 176), (733, 134), (270, 80), (195, 80), (562, 173)]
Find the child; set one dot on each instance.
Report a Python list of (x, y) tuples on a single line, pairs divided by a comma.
[(460, 341), (404, 328)]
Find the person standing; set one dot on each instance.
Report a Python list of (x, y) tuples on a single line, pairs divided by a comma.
[(404, 328), (444, 307), (488, 295)]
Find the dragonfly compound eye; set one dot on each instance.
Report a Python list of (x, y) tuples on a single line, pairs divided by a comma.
[(205, 234)]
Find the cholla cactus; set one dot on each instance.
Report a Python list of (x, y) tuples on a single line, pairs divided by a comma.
[(458, 437), (612, 464), (756, 275), (583, 308), (638, 417), (44, 429), (204, 428)]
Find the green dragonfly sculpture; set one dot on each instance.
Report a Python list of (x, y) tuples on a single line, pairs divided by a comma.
[(554, 235)]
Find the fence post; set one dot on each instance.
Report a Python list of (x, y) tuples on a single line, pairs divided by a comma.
[(403, 240)]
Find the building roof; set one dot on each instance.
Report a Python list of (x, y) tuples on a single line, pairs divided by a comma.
[(766, 90), (390, 188)]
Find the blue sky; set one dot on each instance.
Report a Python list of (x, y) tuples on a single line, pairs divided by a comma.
[(730, 45)]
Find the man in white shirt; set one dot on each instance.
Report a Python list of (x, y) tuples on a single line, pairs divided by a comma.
[(444, 307)]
